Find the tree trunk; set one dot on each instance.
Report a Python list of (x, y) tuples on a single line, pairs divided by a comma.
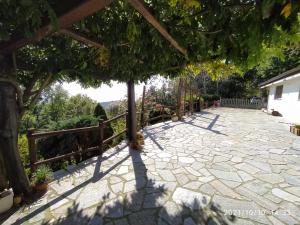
[(3, 175), (9, 118)]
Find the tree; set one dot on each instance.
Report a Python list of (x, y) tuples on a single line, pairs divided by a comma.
[(131, 48), (99, 112)]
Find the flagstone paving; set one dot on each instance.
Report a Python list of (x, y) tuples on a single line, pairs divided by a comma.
[(200, 171)]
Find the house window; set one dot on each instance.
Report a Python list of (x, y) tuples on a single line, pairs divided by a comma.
[(278, 92)]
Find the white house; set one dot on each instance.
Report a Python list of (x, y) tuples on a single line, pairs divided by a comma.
[(284, 95)]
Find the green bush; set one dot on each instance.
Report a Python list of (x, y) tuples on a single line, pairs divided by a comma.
[(42, 175), (24, 151), (209, 99), (99, 112), (117, 127), (154, 113)]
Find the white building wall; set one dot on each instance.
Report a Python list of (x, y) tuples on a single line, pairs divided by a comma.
[(288, 105)]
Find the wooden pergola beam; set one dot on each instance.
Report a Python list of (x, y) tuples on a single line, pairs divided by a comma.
[(80, 37), (75, 14), (141, 8)]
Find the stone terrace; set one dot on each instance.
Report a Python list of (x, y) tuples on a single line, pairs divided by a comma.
[(199, 171)]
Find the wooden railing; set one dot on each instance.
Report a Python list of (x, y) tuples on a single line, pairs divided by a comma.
[(241, 103), (33, 136), (162, 116)]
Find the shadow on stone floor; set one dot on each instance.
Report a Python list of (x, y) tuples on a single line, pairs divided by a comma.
[(144, 206), (209, 127), (94, 178), (149, 135)]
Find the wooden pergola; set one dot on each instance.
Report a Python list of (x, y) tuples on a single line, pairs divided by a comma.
[(72, 12)]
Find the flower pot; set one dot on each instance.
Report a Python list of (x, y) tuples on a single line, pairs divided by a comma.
[(6, 200), (135, 146), (295, 130), (175, 118), (41, 187)]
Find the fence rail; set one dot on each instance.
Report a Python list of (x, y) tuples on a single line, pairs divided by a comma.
[(33, 136), (241, 103)]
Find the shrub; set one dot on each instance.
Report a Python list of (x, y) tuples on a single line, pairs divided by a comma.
[(117, 127), (157, 112), (24, 151), (42, 175), (99, 112), (209, 99)]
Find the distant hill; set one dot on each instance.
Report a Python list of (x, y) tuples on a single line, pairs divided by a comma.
[(107, 105)]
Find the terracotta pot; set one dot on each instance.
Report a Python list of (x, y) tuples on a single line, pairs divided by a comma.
[(135, 146), (6, 200), (41, 187)]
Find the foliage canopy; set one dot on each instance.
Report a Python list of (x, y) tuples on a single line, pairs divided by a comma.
[(234, 31)]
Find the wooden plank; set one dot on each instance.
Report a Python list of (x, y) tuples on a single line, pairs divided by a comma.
[(141, 8), (60, 132), (65, 156), (75, 14), (114, 136), (115, 118), (80, 37)]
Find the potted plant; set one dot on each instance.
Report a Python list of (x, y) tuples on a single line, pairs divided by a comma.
[(174, 117), (6, 200), (138, 143), (41, 178), (295, 129)]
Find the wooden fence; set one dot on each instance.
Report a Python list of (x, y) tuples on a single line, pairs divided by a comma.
[(241, 103), (34, 136)]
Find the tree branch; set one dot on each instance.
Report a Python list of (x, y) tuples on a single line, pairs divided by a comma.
[(38, 92)]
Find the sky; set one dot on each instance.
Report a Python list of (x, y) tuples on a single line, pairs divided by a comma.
[(106, 93)]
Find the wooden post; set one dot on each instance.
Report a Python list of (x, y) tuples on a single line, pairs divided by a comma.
[(101, 130), (143, 107), (180, 106), (131, 112), (184, 99), (32, 149), (191, 96)]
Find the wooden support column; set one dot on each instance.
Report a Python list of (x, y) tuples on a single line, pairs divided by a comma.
[(191, 98), (101, 132), (143, 108), (180, 100), (184, 98), (131, 123)]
